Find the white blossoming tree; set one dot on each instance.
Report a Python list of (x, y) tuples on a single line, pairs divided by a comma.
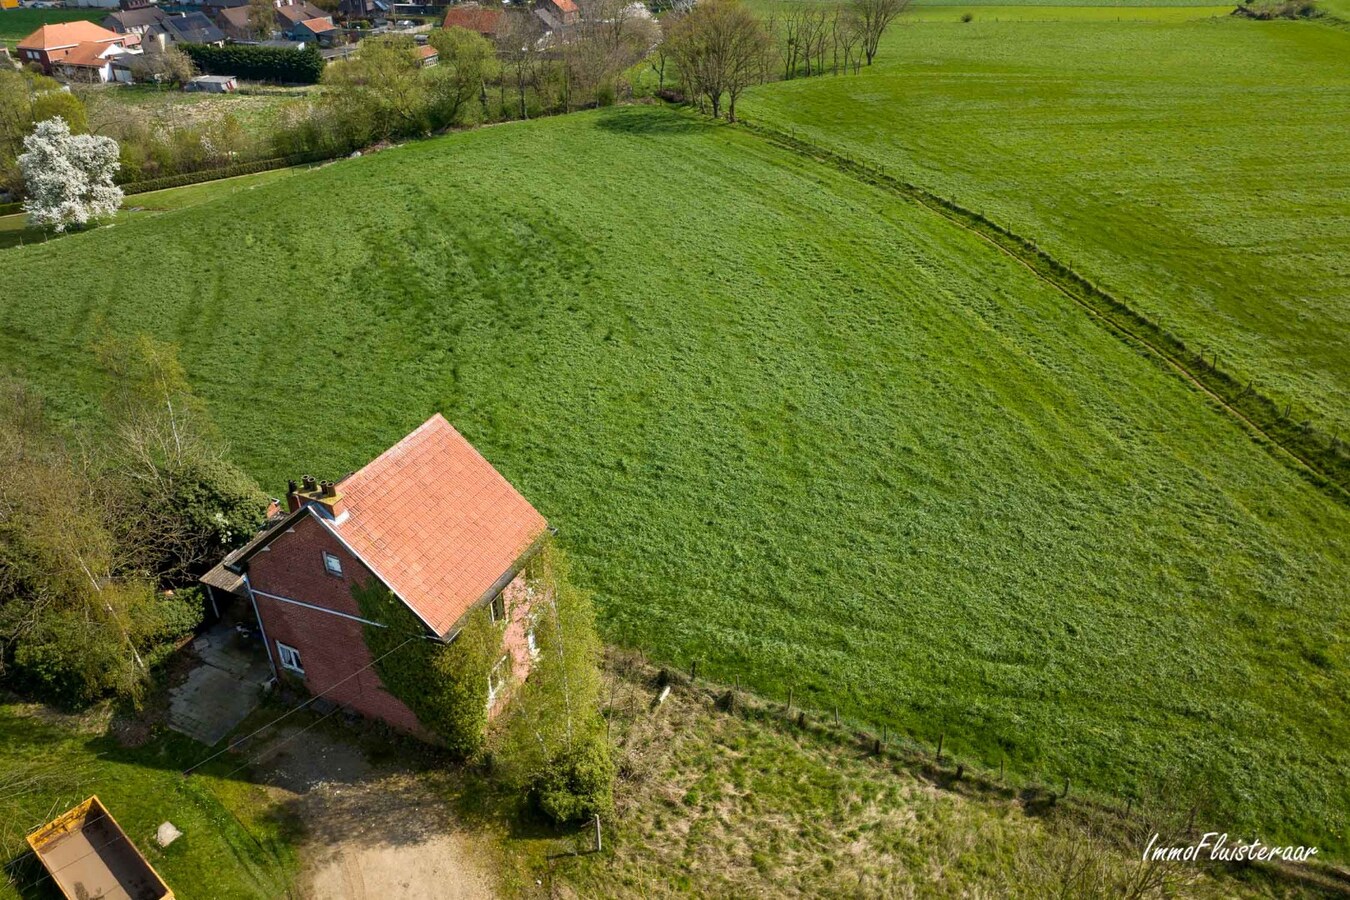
[(69, 177)]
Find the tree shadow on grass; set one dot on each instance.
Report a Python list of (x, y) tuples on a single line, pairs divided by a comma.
[(651, 121)]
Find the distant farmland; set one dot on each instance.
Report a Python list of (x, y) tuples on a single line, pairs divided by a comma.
[(791, 427), (17, 24), (1200, 170)]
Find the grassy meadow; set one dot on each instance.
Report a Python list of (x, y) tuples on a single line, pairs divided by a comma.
[(233, 846), (17, 24), (15, 230), (792, 427), (1199, 170)]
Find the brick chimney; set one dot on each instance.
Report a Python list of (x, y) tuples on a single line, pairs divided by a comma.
[(320, 493)]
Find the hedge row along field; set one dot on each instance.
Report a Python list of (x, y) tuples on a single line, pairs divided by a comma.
[(791, 426), (1208, 189), (258, 63)]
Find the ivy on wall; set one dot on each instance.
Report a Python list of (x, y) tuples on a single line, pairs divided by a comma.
[(445, 685)]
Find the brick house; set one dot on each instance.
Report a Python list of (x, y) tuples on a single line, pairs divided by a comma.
[(433, 521), (484, 21), (50, 45)]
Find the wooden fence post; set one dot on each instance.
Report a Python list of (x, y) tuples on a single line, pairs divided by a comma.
[(598, 844), (939, 753)]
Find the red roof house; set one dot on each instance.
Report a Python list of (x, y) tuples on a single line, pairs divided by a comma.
[(565, 12), (52, 43), (486, 22), (431, 520), (426, 56)]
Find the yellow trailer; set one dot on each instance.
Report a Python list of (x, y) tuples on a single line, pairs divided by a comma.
[(90, 857)]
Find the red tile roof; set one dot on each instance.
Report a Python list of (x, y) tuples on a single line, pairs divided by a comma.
[(87, 55), (67, 34), (425, 51), (436, 522), (566, 6), (319, 26), (473, 17)]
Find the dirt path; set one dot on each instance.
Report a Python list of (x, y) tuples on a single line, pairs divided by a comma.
[(377, 832)]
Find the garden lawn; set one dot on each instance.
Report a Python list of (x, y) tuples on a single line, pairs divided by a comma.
[(788, 426), (1198, 170), (15, 230), (233, 846)]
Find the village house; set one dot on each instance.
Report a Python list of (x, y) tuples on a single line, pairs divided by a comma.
[(558, 14), (426, 56), (487, 22), (92, 62), (321, 31), (365, 9), (188, 28), (432, 521), (87, 43), (292, 14), (134, 21)]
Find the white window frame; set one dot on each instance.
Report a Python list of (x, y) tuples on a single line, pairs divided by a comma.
[(289, 657), (492, 609), (331, 564)]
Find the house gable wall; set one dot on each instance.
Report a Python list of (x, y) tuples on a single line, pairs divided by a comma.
[(332, 648)]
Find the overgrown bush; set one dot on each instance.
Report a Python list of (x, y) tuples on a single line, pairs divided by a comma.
[(258, 63), (93, 529), (577, 783), (553, 744), (445, 685)]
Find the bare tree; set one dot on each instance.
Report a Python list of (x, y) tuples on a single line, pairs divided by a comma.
[(874, 17), (848, 39), (720, 49), (520, 53)]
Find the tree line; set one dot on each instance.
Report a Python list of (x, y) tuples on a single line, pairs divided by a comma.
[(720, 48)]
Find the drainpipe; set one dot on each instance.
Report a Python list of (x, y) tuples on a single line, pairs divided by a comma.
[(267, 645)]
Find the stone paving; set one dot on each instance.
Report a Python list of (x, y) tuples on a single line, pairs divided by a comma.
[(222, 690)]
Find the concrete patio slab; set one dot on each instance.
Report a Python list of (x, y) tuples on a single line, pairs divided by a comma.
[(222, 690)]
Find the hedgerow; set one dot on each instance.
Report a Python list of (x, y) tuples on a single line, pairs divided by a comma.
[(257, 63)]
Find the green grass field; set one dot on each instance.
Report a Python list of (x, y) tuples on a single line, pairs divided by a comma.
[(792, 427), (1198, 170), (14, 229), (232, 846), (17, 24)]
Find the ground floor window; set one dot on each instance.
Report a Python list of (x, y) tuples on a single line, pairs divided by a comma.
[(290, 658)]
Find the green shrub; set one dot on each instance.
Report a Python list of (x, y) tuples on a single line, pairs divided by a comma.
[(578, 783), (445, 685), (73, 658)]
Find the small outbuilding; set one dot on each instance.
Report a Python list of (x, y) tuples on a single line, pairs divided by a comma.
[(212, 84)]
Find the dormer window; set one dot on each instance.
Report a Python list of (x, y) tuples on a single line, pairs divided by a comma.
[(331, 564)]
